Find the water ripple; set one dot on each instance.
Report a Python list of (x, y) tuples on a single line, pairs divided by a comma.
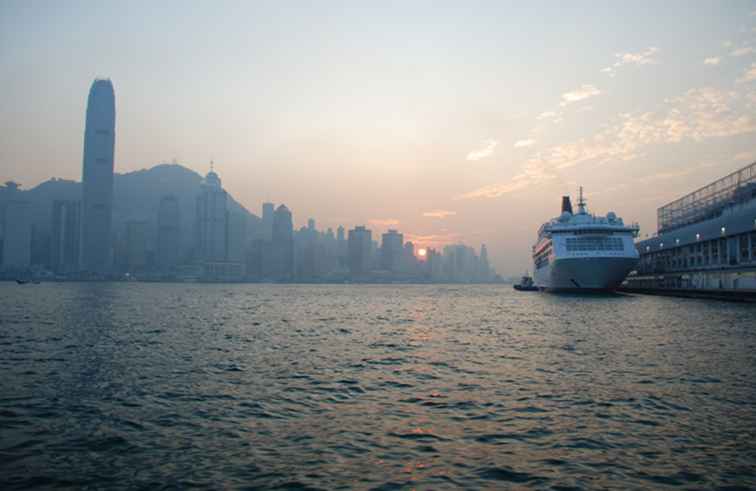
[(371, 387)]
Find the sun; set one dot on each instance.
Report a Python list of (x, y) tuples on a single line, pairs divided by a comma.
[(422, 252)]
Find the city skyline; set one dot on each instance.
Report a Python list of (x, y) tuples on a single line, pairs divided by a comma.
[(444, 133)]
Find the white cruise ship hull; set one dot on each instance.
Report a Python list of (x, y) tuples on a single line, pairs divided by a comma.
[(584, 273)]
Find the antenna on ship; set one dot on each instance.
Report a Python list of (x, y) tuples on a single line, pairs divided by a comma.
[(581, 202)]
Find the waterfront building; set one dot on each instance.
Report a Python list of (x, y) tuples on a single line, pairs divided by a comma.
[(267, 221), (392, 243), (16, 232), (169, 234), (485, 266), (359, 247), (283, 244), (460, 263), (135, 246), (237, 233), (340, 234), (211, 220), (434, 265), (706, 240), (409, 260), (97, 179), (220, 235), (66, 232)]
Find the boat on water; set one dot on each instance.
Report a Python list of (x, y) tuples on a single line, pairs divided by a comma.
[(583, 252), (526, 284)]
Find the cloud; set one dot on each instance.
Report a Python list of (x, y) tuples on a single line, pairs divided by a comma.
[(665, 175), (696, 115), (439, 213), (384, 222), (742, 51), (689, 169), (714, 60), (496, 190), (534, 172), (547, 115), (584, 92), (645, 57), (749, 75), (433, 240), (486, 151), (745, 156), (524, 143)]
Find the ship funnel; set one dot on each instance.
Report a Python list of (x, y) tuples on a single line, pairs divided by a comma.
[(566, 204)]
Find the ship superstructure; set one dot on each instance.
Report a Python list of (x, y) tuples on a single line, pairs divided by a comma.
[(583, 252)]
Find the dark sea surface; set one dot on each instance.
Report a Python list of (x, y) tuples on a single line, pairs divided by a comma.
[(372, 387)]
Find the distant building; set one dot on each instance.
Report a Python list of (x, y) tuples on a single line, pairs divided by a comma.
[(267, 221), (16, 232), (211, 220), (460, 263), (434, 265), (66, 231), (485, 266), (409, 261), (283, 244), (359, 246), (97, 179), (392, 243), (169, 234), (136, 246), (237, 235)]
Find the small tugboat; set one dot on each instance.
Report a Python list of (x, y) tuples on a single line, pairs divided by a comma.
[(526, 284)]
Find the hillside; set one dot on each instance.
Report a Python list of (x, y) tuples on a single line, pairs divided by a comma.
[(136, 197)]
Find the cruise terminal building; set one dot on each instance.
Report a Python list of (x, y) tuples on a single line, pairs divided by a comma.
[(705, 244)]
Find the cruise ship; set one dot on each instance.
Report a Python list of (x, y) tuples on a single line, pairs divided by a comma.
[(583, 252)]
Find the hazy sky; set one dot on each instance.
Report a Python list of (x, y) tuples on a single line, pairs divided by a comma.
[(447, 120)]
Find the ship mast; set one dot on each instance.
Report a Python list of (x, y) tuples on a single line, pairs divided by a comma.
[(581, 202)]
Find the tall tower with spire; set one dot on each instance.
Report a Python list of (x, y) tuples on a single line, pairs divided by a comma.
[(212, 220), (97, 178)]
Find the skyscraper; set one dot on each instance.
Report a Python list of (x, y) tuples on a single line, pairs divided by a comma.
[(485, 267), (97, 178), (66, 232), (169, 233), (359, 244), (267, 221), (136, 246), (211, 221), (236, 233), (283, 243), (16, 232), (391, 251)]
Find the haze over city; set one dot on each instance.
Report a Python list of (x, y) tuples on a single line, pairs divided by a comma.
[(447, 121)]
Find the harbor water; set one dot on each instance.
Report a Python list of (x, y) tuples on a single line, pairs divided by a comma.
[(139, 385)]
